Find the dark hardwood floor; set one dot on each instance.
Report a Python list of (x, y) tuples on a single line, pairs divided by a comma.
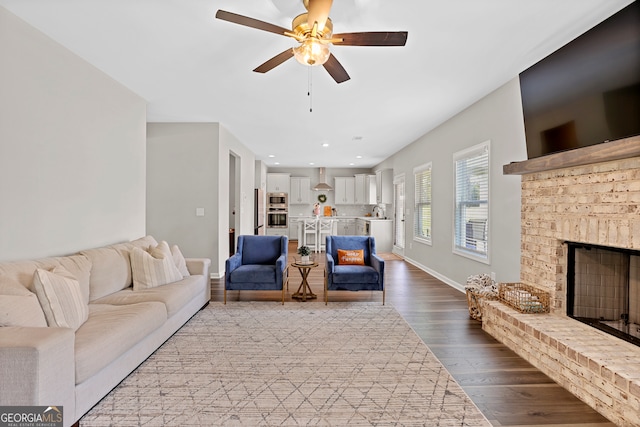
[(507, 389)]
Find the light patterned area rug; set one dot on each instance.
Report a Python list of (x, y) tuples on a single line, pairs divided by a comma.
[(264, 364)]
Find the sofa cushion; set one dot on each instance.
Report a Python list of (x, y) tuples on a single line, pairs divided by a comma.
[(154, 267), (179, 260), (22, 271), (109, 271), (111, 331), (18, 305), (174, 295), (111, 267), (125, 250), (60, 298)]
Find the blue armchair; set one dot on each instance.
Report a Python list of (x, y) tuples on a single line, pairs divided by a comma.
[(369, 276), (259, 264)]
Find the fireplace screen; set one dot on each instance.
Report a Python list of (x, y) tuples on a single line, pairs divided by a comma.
[(603, 289)]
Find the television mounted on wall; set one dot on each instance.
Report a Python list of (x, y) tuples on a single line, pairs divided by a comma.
[(588, 91)]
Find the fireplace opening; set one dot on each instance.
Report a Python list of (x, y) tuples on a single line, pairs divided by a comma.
[(603, 289)]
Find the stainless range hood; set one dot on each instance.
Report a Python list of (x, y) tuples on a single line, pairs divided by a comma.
[(322, 184)]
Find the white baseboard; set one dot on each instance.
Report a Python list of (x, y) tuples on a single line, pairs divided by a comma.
[(455, 285), (216, 275)]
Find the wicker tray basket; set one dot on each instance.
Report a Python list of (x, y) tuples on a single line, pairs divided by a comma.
[(524, 298)]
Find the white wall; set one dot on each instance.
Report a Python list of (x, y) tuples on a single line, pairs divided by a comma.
[(188, 168), (498, 118), (72, 149)]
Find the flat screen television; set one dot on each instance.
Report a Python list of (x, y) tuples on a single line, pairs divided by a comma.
[(586, 92)]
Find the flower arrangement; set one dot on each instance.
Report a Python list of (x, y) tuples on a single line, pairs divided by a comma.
[(304, 251)]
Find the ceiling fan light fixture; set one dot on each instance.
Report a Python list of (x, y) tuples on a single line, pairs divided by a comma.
[(312, 52)]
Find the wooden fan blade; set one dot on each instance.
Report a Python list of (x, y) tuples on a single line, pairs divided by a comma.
[(336, 70), (250, 22), (377, 38), (275, 61), (318, 11)]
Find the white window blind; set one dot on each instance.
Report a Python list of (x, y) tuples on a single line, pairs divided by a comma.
[(422, 217), (471, 169)]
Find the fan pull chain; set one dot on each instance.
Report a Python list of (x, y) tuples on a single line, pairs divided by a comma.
[(310, 91)]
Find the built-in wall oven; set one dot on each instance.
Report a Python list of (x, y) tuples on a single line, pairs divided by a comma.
[(280, 200), (277, 210)]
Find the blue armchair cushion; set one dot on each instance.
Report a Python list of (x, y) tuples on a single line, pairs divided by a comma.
[(355, 274), (351, 243), (261, 250), (254, 273)]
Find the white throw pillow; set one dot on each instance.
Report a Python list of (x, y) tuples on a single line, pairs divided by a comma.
[(179, 260), (61, 298), (154, 267), (19, 306)]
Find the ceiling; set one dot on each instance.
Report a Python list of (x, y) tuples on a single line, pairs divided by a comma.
[(191, 67)]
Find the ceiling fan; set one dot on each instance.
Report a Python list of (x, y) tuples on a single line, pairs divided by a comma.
[(314, 31)]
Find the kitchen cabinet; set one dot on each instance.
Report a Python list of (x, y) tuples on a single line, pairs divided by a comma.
[(277, 231), (344, 188), (346, 227), (365, 189), (278, 182), (382, 231), (300, 190), (361, 227), (293, 229), (384, 186)]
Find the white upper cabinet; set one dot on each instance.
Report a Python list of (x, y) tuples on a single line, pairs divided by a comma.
[(365, 189), (344, 189), (300, 193), (384, 186), (278, 183)]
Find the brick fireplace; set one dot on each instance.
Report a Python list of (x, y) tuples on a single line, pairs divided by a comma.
[(590, 197)]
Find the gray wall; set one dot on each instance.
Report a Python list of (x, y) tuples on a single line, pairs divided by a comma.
[(72, 149), (188, 168), (498, 118)]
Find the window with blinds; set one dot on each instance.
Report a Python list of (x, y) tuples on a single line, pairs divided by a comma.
[(471, 186), (422, 217)]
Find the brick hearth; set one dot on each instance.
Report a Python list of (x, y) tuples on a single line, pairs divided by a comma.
[(597, 204)]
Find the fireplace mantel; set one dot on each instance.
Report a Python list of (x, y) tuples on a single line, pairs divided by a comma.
[(614, 150)]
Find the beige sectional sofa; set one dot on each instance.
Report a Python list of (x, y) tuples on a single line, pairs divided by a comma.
[(74, 368)]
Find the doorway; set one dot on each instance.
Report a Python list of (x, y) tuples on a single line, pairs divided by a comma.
[(398, 215), (234, 200)]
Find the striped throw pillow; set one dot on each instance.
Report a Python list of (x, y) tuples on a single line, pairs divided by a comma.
[(154, 267), (60, 298), (179, 260)]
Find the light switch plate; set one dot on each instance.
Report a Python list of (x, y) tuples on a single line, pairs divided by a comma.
[(199, 211)]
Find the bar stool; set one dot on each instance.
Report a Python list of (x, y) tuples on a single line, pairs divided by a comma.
[(310, 228), (325, 228)]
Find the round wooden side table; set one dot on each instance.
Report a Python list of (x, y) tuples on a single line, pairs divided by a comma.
[(304, 290)]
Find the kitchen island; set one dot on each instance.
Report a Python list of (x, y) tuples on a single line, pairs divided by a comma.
[(379, 228)]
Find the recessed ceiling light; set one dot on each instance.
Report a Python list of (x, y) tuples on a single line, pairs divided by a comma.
[(326, 144), (357, 138), (276, 163), (351, 164), (358, 157), (271, 156)]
